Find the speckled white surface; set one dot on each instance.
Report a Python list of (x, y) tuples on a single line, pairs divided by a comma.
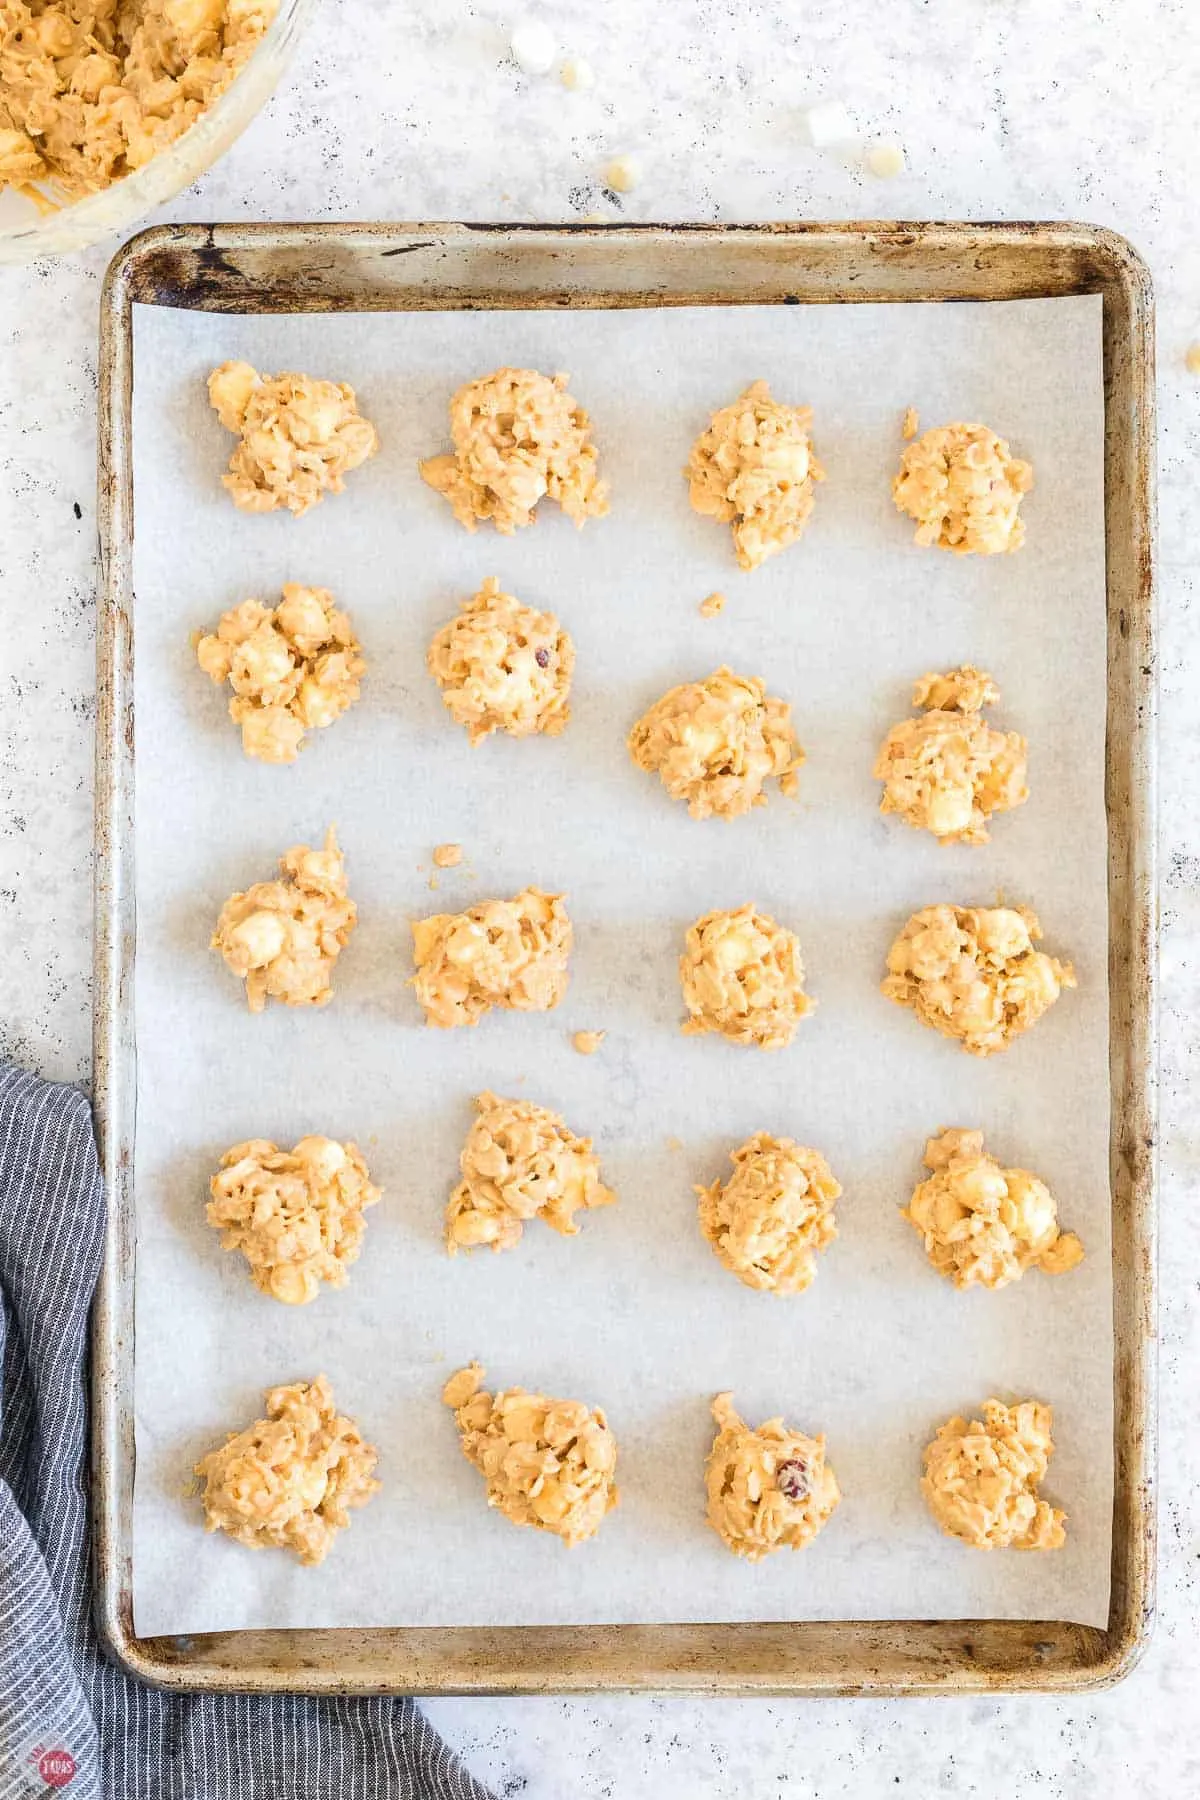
[(409, 109)]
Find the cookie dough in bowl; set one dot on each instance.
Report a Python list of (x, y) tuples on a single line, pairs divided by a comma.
[(283, 937), (768, 1489), (293, 668), (973, 974), (948, 771), (716, 743), (742, 976), (984, 1225), (296, 1215), (770, 1219), (289, 1481), (507, 953), (502, 666), (547, 1463), (753, 469), (964, 489), (981, 1479), (520, 1162), (299, 437), (519, 437)]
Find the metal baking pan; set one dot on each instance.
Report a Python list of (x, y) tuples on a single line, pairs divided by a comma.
[(298, 268)]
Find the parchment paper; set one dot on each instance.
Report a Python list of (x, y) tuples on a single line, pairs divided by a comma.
[(635, 1314)]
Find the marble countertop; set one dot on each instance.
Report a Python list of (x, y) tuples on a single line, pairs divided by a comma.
[(1006, 109)]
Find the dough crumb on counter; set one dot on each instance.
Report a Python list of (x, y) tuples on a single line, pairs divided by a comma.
[(300, 437), (283, 937), (742, 976), (588, 1042), (91, 90), (753, 469), (948, 771), (502, 666), (547, 1463), (447, 856), (768, 1489), (290, 1480), (964, 489), (296, 1215), (716, 743), (520, 1162), (983, 1224), (981, 1479), (293, 668), (506, 953), (518, 437), (711, 605), (972, 973), (910, 424), (770, 1219)]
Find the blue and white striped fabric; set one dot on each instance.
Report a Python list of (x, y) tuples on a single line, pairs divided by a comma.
[(69, 1720)]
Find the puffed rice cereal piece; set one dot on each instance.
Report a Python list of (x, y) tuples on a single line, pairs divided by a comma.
[(518, 436), (981, 1479), (754, 469), (502, 666), (300, 437), (290, 1480), (775, 1213), (742, 975), (972, 973), (90, 90), (295, 1215), (964, 489), (283, 937), (520, 1162), (769, 1489), (982, 1224), (293, 668), (948, 771), (716, 743), (547, 1463), (507, 953)]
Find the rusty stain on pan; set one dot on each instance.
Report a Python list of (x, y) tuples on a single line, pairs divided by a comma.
[(379, 267)]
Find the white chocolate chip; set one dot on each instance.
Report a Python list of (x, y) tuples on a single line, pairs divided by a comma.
[(622, 174), (886, 160), (1192, 359), (577, 73)]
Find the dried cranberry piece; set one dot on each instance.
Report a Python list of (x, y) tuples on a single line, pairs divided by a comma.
[(542, 658), (793, 1480)]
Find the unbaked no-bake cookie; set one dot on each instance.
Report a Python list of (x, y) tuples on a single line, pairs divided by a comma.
[(753, 469), (520, 1162), (768, 1489), (947, 771), (503, 666), (508, 953), (981, 1479), (716, 743), (299, 437), (984, 1225), (973, 973), (289, 1481), (964, 489), (283, 937), (742, 976), (295, 1215), (547, 1463), (775, 1213)]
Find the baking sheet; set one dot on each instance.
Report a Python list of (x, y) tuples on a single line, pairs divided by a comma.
[(635, 1313)]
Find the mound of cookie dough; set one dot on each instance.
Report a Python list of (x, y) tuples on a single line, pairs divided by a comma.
[(754, 469), (283, 937), (300, 437), (964, 489), (502, 666), (90, 90), (509, 953), (742, 976), (972, 973), (948, 771), (769, 1489), (984, 1225), (518, 437), (716, 743), (981, 1479), (295, 1215), (775, 1213), (547, 1463), (292, 668), (520, 1162), (290, 1480)]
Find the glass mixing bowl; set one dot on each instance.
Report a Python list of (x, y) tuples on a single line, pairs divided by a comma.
[(26, 233)]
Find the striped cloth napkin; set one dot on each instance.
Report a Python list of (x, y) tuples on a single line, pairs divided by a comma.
[(70, 1721)]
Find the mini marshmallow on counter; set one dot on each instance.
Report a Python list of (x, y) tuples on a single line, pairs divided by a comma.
[(532, 45), (828, 123)]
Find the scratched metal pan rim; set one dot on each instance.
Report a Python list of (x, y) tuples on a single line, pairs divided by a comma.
[(400, 267)]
